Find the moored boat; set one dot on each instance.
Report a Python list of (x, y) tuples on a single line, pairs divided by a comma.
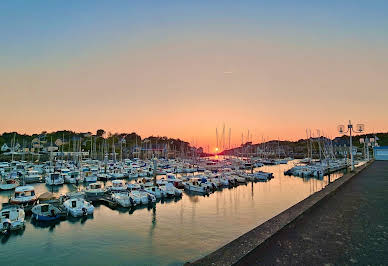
[(117, 186), (124, 199), (24, 195), (11, 219), (95, 190), (45, 212), (55, 179), (9, 184), (78, 207), (195, 186)]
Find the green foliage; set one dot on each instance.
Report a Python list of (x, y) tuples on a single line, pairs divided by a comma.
[(71, 139)]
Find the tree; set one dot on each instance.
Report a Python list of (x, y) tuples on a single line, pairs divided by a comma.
[(100, 133)]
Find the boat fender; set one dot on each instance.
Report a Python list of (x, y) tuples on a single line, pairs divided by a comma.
[(132, 202), (84, 211)]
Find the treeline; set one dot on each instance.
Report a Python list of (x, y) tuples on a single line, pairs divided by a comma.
[(300, 147), (67, 140)]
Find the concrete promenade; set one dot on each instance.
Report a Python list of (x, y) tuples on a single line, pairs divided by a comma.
[(350, 226)]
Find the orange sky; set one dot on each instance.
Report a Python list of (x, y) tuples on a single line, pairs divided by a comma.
[(184, 81)]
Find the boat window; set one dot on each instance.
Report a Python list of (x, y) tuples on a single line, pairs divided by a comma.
[(74, 204), (6, 214), (44, 208)]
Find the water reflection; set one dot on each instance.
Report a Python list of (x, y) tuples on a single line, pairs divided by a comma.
[(171, 231), (45, 224), (153, 223), (13, 234), (79, 220)]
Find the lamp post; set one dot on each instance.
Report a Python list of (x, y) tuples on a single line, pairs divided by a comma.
[(359, 129)]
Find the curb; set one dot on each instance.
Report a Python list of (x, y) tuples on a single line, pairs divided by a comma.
[(235, 250)]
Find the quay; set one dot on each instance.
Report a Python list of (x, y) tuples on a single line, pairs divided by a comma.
[(345, 223)]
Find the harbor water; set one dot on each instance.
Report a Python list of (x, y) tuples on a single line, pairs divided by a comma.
[(169, 233)]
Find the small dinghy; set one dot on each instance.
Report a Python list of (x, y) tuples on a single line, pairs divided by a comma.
[(45, 212), (78, 207), (11, 219)]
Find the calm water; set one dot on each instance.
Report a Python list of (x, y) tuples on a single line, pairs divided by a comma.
[(171, 233)]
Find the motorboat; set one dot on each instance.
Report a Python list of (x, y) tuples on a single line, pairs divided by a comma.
[(45, 212), (142, 197), (94, 190), (32, 176), (117, 186), (71, 177), (155, 191), (124, 199), (78, 207), (204, 182), (117, 175), (55, 179), (258, 164), (90, 177), (133, 174), (178, 183), (24, 195), (262, 176), (133, 186), (161, 182), (305, 160), (223, 181), (170, 190), (231, 179), (11, 219), (239, 179), (103, 177), (247, 176), (195, 186), (9, 184)]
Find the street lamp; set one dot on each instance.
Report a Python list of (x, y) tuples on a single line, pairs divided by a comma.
[(359, 129)]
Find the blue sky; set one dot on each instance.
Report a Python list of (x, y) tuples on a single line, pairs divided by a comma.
[(154, 53)]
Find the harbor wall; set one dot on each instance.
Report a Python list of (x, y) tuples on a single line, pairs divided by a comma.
[(238, 248)]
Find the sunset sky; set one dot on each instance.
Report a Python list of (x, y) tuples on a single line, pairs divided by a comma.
[(183, 68)]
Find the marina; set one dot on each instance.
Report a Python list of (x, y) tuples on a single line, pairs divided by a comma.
[(181, 133), (193, 224)]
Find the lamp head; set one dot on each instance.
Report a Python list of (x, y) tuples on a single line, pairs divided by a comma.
[(360, 128)]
